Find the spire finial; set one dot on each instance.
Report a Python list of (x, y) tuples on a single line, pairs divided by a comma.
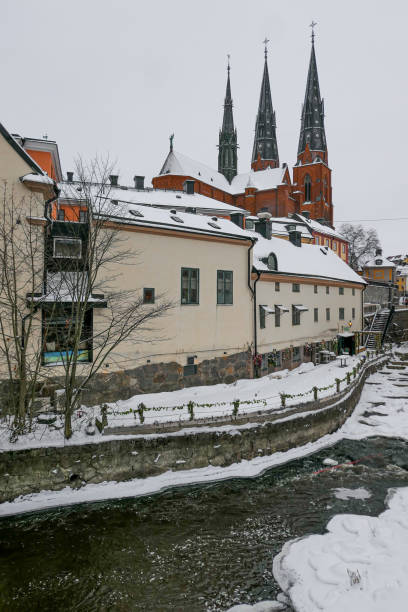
[(265, 42), (228, 65), (171, 138), (312, 25)]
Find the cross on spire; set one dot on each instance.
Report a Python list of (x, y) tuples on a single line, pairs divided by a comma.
[(312, 25), (265, 42)]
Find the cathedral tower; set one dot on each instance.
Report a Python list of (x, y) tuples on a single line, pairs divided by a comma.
[(311, 174), (265, 151), (227, 142)]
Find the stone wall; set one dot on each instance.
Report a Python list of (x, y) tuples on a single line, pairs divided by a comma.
[(29, 471), (378, 294)]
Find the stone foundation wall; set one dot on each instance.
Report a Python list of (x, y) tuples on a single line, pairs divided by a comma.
[(29, 471)]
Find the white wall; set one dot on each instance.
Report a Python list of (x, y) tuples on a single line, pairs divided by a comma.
[(272, 337)]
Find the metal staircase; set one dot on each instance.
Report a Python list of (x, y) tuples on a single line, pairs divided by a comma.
[(379, 326)]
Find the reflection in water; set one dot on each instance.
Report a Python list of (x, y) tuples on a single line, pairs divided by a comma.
[(199, 548)]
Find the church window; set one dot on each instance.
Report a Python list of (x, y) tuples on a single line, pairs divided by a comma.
[(308, 188)]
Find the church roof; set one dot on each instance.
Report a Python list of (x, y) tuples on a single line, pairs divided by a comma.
[(179, 164), (312, 120)]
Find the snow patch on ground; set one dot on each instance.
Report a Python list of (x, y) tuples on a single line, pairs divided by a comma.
[(345, 494), (360, 565)]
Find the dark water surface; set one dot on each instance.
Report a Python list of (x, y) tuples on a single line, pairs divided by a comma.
[(197, 548)]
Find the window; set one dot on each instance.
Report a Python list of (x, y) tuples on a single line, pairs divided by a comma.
[(261, 316), (295, 316), (277, 286), (190, 369), (60, 333), (272, 262), (353, 313), (327, 242), (277, 316), (190, 285), (341, 290), (249, 224), (343, 248), (315, 288), (83, 217), (295, 287), (148, 296), (317, 239), (224, 287), (296, 353), (353, 292), (61, 215), (316, 314), (334, 243), (308, 188), (68, 248), (341, 314), (327, 289), (327, 314)]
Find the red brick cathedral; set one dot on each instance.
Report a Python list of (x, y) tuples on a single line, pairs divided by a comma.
[(268, 186)]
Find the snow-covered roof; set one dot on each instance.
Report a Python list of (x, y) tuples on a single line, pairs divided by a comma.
[(306, 260), (37, 178), (279, 226), (178, 164), (379, 262), (165, 219), (322, 229), (162, 198)]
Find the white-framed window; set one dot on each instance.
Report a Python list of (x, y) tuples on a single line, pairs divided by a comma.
[(68, 248), (334, 245), (343, 248)]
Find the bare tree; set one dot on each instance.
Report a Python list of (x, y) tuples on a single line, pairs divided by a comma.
[(21, 276), (362, 244), (82, 284)]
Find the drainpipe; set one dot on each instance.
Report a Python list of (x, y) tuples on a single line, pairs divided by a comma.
[(255, 321)]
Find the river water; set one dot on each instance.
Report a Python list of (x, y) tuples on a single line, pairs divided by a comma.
[(197, 548)]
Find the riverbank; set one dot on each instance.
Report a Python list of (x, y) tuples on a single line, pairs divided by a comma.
[(360, 425)]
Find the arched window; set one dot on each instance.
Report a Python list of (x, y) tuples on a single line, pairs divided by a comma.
[(272, 262), (308, 188)]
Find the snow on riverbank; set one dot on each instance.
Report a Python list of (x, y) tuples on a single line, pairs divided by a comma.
[(360, 565), (260, 393)]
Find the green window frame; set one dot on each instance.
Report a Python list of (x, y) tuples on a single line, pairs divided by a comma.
[(190, 286), (353, 313), (316, 315), (224, 287), (295, 287), (341, 290), (341, 314), (277, 286), (327, 314), (295, 316)]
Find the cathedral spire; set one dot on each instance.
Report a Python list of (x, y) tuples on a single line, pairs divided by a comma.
[(265, 151), (227, 142), (312, 131)]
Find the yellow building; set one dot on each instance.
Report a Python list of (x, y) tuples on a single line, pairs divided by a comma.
[(379, 269)]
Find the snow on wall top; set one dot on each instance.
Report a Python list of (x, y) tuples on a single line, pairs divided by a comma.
[(306, 260), (179, 164)]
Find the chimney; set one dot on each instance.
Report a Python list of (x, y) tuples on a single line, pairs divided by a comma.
[(295, 237), (70, 177), (378, 252), (188, 186), (139, 182), (264, 226), (114, 180), (306, 214), (322, 221)]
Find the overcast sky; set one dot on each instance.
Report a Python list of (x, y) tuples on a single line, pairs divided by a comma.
[(118, 77)]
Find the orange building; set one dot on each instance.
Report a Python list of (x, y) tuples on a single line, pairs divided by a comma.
[(379, 269)]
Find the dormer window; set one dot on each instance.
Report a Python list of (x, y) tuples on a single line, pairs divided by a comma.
[(378, 262), (272, 262), (308, 188)]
